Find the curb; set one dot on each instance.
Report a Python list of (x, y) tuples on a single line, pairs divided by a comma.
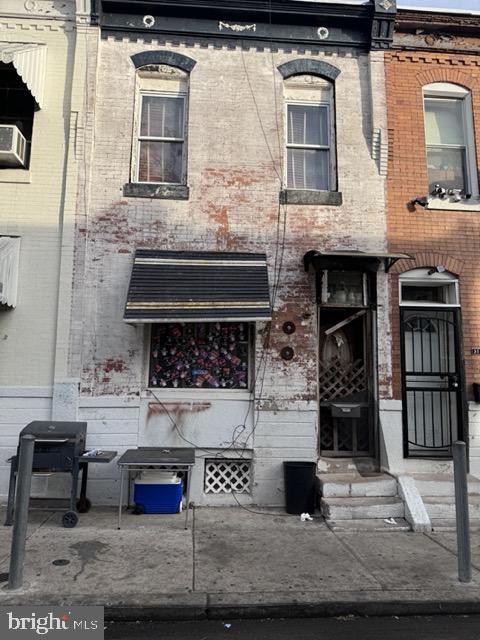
[(291, 610)]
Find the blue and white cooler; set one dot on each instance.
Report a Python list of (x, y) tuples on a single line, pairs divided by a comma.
[(158, 492)]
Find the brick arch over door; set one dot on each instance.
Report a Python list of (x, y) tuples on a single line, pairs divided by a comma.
[(429, 259)]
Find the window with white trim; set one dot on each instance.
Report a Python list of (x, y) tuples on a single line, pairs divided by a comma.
[(310, 156), (427, 287), (160, 154), (449, 137)]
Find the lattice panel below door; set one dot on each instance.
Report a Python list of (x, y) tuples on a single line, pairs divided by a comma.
[(225, 476), (338, 379)]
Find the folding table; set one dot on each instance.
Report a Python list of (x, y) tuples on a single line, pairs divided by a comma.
[(177, 459)]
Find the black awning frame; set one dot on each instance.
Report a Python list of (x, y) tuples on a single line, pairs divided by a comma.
[(351, 260)]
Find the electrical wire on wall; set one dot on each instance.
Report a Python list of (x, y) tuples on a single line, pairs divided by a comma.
[(240, 439)]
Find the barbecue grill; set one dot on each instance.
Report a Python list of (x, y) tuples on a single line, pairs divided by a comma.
[(59, 448)]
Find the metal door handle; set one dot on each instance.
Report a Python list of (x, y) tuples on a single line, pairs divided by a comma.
[(454, 381)]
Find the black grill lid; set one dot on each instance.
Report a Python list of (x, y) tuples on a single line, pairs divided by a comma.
[(54, 429)]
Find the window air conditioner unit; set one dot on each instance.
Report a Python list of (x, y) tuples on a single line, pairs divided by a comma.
[(13, 146)]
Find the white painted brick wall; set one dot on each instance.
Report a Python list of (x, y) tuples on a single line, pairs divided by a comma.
[(31, 206)]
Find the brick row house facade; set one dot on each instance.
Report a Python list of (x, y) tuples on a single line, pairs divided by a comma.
[(227, 149), (433, 108), (237, 247)]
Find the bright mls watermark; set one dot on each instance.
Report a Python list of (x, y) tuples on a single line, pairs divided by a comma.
[(24, 623)]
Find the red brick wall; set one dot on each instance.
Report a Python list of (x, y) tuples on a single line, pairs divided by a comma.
[(433, 237)]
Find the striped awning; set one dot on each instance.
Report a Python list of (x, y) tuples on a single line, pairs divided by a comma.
[(194, 286), (29, 59)]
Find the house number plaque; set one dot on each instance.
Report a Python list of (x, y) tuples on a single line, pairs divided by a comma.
[(475, 351)]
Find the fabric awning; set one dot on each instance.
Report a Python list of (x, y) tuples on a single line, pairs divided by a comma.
[(194, 286), (369, 261), (9, 263), (29, 59)]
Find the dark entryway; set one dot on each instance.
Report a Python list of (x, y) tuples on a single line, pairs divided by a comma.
[(345, 365)]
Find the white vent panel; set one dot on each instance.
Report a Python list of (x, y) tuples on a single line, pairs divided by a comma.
[(227, 476)]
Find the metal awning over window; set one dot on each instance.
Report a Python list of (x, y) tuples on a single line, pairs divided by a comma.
[(351, 260), (9, 263), (29, 59), (195, 286)]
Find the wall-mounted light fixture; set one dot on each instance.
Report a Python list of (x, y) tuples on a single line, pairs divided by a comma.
[(438, 269)]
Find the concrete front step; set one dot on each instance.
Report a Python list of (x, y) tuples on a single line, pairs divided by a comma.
[(451, 525), (443, 507), (342, 485), (346, 465), (441, 484), (374, 524), (362, 508)]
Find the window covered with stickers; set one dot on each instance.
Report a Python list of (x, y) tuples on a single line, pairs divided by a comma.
[(204, 355)]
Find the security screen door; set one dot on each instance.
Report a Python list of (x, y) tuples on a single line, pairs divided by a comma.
[(432, 385)]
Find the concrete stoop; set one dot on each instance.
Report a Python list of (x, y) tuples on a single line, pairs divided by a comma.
[(438, 495), (362, 508), (355, 496)]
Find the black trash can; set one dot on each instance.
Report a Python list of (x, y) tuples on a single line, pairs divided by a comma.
[(299, 486)]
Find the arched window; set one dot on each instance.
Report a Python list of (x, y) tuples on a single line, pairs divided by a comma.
[(310, 156), (159, 153), (310, 125), (450, 141), (429, 287), (160, 145)]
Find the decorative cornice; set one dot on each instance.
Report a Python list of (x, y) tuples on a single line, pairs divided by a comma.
[(170, 58), (326, 25), (383, 23), (312, 67)]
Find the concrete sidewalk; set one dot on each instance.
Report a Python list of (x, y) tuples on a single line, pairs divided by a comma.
[(234, 563)]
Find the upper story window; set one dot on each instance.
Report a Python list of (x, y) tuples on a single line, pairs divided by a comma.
[(449, 138), (160, 155), (161, 138), (16, 118), (310, 151)]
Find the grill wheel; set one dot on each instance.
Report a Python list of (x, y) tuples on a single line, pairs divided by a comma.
[(69, 519)]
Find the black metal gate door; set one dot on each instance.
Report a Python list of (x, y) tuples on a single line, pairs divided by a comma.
[(431, 381)]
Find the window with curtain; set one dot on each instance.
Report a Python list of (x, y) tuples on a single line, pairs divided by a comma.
[(308, 146), (449, 138), (161, 141)]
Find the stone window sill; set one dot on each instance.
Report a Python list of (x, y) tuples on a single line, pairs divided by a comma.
[(310, 197), (19, 176), (153, 190), (473, 204)]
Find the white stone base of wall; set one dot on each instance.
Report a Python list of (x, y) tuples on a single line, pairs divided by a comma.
[(391, 442), (121, 423)]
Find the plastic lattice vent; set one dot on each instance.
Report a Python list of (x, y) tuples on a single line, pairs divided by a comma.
[(227, 476)]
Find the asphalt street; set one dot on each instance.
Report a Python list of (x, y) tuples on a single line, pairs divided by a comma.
[(343, 628)]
